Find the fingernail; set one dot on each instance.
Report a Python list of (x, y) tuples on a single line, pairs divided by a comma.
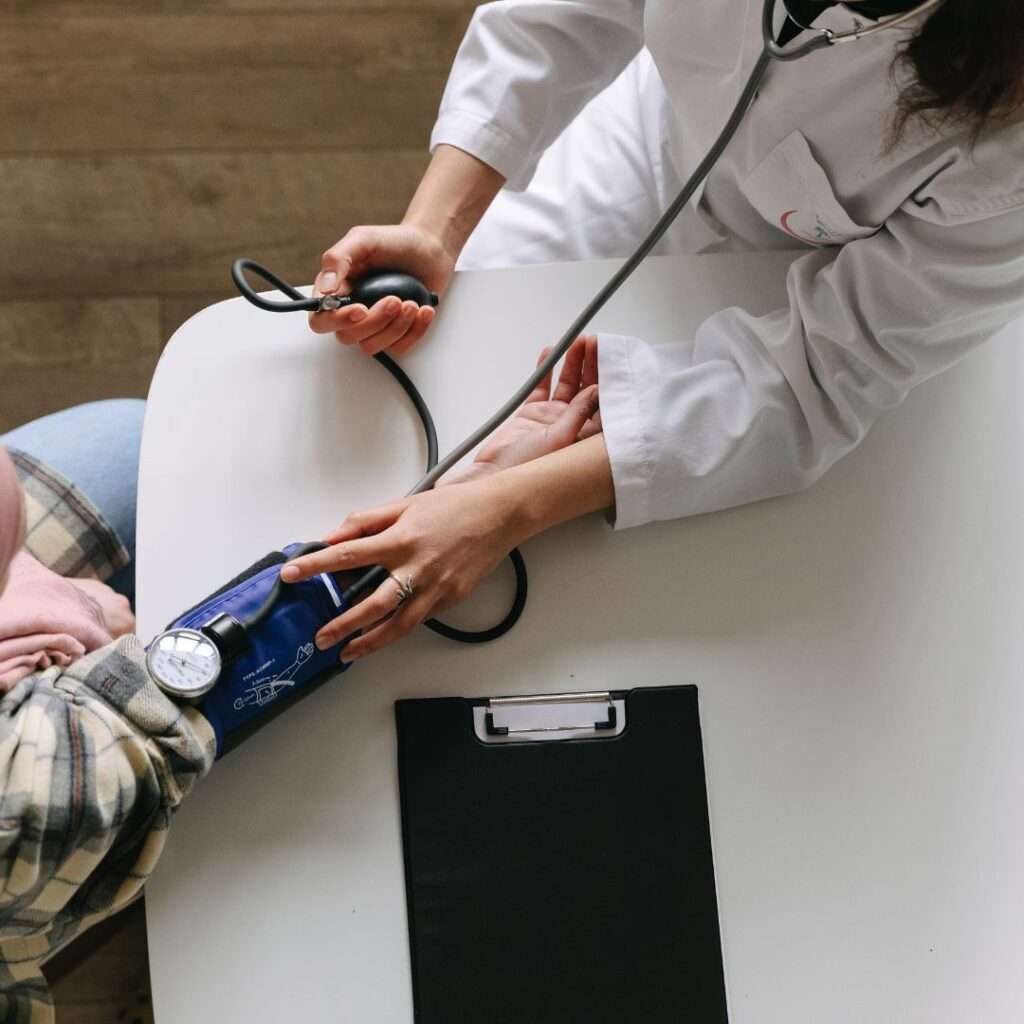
[(347, 656), (327, 281), (290, 573), (322, 641), (356, 315), (392, 305)]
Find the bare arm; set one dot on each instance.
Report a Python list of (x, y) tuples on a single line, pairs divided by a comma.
[(453, 195)]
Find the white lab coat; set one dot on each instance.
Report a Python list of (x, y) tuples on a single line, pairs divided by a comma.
[(915, 255)]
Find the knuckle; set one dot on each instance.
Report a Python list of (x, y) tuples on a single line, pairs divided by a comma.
[(359, 237), (341, 555), (404, 537)]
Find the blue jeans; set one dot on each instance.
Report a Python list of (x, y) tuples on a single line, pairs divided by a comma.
[(96, 446)]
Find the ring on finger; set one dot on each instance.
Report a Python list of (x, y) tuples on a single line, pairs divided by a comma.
[(406, 588)]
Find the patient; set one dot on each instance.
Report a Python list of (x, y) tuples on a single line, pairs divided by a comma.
[(94, 757)]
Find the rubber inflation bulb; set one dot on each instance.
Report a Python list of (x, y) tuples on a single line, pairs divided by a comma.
[(374, 287)]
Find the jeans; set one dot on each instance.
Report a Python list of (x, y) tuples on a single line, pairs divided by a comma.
[(96, 446)]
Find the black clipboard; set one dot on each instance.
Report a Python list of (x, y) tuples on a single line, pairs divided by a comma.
[(558, 859)]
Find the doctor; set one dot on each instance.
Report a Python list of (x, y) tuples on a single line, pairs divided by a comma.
[(896, 161)]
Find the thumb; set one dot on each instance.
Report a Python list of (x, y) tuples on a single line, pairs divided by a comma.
[(565, 429), (334, 272), (347, 258)]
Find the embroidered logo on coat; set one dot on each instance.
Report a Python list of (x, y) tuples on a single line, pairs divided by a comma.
[(822, 235)]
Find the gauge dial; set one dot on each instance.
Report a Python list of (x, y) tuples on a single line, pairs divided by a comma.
[(184, 663)]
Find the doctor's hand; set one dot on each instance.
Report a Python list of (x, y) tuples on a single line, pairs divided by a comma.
[(451, 198), (390, 324), (445, 541), (547, 421)]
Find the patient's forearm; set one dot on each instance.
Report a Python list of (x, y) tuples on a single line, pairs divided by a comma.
[(561, 486)]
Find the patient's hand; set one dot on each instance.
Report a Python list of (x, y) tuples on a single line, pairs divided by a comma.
[(114, 609), (546, 421)]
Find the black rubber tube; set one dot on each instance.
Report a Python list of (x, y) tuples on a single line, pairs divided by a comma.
[(372, 579)]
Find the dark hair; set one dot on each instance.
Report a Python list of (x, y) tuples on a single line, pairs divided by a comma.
[(966, 66)]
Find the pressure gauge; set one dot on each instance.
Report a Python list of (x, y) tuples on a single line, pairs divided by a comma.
[(184, 663)]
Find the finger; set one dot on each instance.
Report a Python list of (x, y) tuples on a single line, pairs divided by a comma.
[(384, 601), (395, 331), (347, 259), (567, 427), (407, 618), (365, 523), (381, 315), (569, 378), (589, 375), (352, 554), (335, 268), (591, 427), (542, 392), (424, 318), (338, 321)]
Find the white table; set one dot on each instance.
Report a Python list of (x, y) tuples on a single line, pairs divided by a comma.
[(858, 648)]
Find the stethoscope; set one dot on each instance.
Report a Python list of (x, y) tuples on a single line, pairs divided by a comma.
[(376, 286)]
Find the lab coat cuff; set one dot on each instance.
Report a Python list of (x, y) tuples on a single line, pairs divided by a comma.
[(487, 142), (625, 436)]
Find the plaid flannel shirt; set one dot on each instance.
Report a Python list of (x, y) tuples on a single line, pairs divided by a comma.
[(94, 759), (65, 530)]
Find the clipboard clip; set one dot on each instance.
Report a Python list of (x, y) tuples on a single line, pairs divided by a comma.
[(550, 716)]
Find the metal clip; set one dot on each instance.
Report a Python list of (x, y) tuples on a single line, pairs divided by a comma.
[(549, 720)]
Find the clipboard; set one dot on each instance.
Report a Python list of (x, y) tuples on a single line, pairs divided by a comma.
[(558, 860)]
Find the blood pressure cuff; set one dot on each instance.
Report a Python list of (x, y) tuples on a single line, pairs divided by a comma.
[(281, 663)]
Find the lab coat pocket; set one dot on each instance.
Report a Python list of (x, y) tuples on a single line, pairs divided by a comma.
[(791, 190)]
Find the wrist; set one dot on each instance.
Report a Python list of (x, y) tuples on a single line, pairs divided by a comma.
[(544, 492), (453, 195), (441, 229), (511, 517)]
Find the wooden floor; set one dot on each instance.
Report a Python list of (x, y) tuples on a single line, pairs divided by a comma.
[(144, 145)]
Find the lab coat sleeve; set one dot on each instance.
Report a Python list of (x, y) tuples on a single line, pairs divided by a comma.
[(755, 407), (525, 69)]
